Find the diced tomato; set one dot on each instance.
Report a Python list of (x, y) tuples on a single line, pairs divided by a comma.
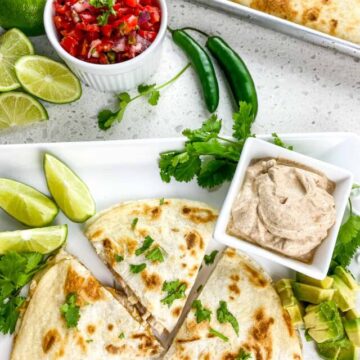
[(131, 26)]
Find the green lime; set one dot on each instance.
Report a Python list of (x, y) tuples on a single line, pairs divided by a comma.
[(27, 15), (13, 45), (69, 191), (17, 108), (42, 240), (47, 79), (26, 204)]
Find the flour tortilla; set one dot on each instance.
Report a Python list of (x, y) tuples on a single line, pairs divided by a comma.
[(265, 329), (340, 18), (42, 332), (181, 228)]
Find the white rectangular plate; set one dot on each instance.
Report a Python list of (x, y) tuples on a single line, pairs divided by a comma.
[(116, 171)]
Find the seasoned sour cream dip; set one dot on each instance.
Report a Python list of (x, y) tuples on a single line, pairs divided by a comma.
[(284, 206)]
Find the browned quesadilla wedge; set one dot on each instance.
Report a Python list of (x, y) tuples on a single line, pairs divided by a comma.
[(104, 329), (154, 249), (238, 313)]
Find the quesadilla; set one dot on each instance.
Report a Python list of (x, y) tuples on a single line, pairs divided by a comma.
[(238, 315), (154, 249), (104, 329), (339, 18)]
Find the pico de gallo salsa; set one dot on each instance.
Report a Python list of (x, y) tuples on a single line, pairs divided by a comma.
[(106, 31)]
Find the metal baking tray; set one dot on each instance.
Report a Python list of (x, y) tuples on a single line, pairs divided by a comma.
[(285, 26)]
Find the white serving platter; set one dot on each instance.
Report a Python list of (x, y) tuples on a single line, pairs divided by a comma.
[(116, 171)]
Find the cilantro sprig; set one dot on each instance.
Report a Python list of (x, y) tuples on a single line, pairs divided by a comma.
[(107, 10), (218, 334), (106, 117), (210, 258), (243, 355), (145, 246), (207, 156), (16, 270), (201, 312), (155, 255), (223, 315), (175, 290), (70, 311)]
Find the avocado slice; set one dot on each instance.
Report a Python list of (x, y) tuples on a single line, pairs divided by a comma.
[(352, 329), (289, 301), (344, 296), (324, 284), (312, 294), (347, 278), (338, 350), (352, 314), (323, 322)]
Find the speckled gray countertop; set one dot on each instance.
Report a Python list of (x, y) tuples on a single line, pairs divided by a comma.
[(301, 88)]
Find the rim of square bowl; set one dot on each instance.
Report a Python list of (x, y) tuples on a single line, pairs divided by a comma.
[(105, 68)]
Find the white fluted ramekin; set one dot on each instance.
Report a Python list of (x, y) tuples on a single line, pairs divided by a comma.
[(113, 77)]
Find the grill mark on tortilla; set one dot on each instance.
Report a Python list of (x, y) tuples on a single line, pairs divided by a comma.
[(198, 215), (73, 281), (90, 329), (176, 311), (112, 349), (49, 339), (288, 322), (92, 289), (255, 277), (260, 336), (182, 341), (297, 357), (154, 212), (235, 277), (193, 239), (143, 233), (333, 26), (96, 234), (193, 271), (152, 281), (230, 253), (311, 14), (175, 230), (81, 343), (234, 288), (110, 327)]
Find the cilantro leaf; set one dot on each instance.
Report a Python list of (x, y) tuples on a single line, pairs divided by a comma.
[(9, 313), (209, 129), (225, 316), (243, 120), (209, 259), (243, 355), (161, 201), (277, 141), (119, 258), (135, 269), (104, 3), (155, 255), (201, 313), (218, 334), (216, 148), (348, 241), (214, 172), (175, 290), (154, 97), (145, 89), (145, 246), (71, 311), (134, 223), (121, 335)]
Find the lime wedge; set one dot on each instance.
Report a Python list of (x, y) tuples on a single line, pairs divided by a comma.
[(26, 204), (47, 79), (69, 191), (42, 240), (17, 108), (13, 45)]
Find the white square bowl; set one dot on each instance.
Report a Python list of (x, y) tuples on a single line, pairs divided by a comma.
[(257, 149)]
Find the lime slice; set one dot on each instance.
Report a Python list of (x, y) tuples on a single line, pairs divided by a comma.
[(26, 204), (47, 79), (69, 191), (13, 45), (17, 108), (42, 240)]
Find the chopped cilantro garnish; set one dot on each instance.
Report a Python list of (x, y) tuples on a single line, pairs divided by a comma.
[(209, 259), (243, 355), (122, 335), (89, 340), (134, 223), (175, 290), (155, 254), (145, 246), (201, 313), (135, 269), (162, 201), (119, 258), (218, 334), (71, 311), (225, 316)]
